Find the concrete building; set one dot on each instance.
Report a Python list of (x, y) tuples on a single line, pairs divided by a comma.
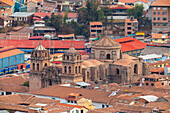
[(9, 58), (131, 26), (96, 29), (159, 38), (155, 81), (22, 17), (7, 8), (160, 15)]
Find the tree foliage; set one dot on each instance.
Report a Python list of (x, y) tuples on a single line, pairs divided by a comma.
[(90, 13), (26, 83), (56, 21), (136, 12)]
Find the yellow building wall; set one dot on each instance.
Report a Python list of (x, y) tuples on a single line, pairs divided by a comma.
[(86, 103)]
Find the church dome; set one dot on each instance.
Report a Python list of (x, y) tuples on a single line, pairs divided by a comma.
[(40, 47), (72, 50), (106, 42)]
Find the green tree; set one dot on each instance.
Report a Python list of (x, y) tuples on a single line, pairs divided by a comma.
[(136, 12), (90, 13), (56, 21), (26, 83)]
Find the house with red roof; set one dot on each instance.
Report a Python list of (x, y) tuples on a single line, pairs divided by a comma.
[(131, 46)]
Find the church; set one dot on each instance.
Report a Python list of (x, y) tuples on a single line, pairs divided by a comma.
[(105, 63)]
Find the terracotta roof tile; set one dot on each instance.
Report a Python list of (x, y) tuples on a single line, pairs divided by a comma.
[(130, 44), (46, 43), (9, 2), (95, 23), (62, 92), (161, 3), (123, 62)]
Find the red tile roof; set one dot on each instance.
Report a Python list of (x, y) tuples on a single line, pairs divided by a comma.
[(161, 3), (36, 37), (9, 2), (56, 62), (130, 44), (64, 44)]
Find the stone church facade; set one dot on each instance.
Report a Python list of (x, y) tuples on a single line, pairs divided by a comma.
[(106, 63), (41, 73)]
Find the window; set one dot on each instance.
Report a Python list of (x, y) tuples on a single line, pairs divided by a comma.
[(128, 32), (152, 84), (65, 69), (164, 8), (69, 69), (154, 8), (77, 57), (77, 111), (68, 101), (164, 24), (128, 23), (37, 67), (158, 24), (108, 56), (76, 69), (136, 69), (159, 13), (154, 24), (117, 71), (128, 28), (102, 106), (45, 64), (162, 83), (163, 39), (2, 9), (164, 19), (154, 13), (158, 18), (33, 65), (154, 18), (7, 21), (164, 13), (67, 57), (79, 69), (147, 84), (159, 8)]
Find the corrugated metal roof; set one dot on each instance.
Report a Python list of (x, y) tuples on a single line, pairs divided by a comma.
[(21, 14), (155, 50)]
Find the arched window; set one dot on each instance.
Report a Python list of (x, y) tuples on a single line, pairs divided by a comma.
[(79, 69), (117, 71), (21, 66), (65, 69), (45, 64), (136, 69), (35, 54), (33, 66), (76, 69), (63, 57), (67, 57), (87, 75), (77, 57), (37, 67), (69, 69), (50, 82), (108, 56), (45, 54)]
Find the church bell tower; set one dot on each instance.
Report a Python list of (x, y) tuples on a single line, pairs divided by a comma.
[(71, 66), (40, 58)]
